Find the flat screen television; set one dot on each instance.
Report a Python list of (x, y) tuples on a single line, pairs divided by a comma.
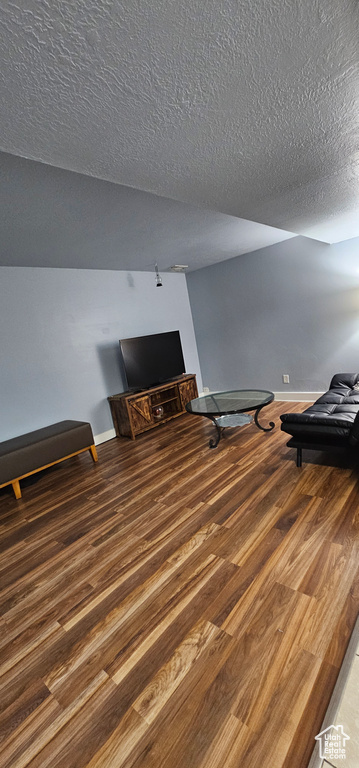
[(151, 360)]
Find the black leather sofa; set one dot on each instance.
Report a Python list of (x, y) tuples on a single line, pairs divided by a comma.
[(331, 422)]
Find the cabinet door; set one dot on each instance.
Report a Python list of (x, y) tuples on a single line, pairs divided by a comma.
[(140, 413), (188, 391)]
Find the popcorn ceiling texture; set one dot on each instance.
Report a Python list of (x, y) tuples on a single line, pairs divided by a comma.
[(248, 107)]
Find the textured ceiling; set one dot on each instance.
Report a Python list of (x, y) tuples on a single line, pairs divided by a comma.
[(240, 106), (51, 217)]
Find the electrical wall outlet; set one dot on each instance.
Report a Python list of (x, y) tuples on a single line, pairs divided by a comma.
[(205, 390), (285, 378)]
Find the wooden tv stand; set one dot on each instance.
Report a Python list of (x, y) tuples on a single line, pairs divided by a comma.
[(134, 413)]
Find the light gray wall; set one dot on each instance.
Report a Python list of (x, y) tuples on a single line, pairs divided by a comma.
[(289, 308), (59, 332)]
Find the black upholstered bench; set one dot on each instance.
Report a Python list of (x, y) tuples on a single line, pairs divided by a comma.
[(24, 455)]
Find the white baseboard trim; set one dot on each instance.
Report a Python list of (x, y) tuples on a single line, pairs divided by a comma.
[(104, 436), (301, 396)]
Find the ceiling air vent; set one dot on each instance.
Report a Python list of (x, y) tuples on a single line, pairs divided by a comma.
[(179, 267)]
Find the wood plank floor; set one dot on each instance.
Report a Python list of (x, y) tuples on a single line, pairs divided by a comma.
[(176, 606)]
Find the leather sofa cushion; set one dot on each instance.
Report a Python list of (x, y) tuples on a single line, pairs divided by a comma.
[(335, 398), (334, 415), (324, 417), (317, 431), (33, 450)]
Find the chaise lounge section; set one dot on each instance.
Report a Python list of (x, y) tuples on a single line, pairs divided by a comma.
[(331, 422), (24, 455)]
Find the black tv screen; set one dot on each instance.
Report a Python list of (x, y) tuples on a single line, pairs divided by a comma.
[(151, 360)]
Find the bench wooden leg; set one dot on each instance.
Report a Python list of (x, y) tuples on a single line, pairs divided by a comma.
[(93, 452), (299, 457), (16, 488)]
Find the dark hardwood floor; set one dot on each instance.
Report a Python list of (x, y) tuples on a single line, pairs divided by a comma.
[(175, 606)]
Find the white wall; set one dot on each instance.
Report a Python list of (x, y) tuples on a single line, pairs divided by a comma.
[(59, 332)]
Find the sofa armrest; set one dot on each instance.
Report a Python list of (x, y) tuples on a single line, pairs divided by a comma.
[(341, 380)]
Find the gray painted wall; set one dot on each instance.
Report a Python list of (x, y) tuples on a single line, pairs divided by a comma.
[(59, 332), (289, 308)]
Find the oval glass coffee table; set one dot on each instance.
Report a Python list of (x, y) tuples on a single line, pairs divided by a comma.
[(229, 409)]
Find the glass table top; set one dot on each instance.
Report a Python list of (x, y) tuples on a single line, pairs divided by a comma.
[(235, 401)]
